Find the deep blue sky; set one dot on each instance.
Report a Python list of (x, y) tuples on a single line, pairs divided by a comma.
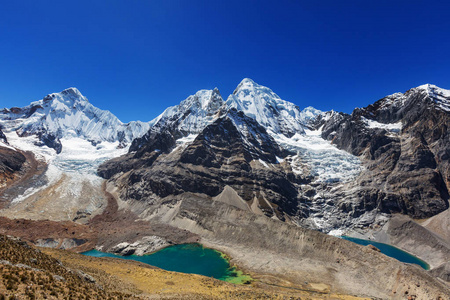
[(135, 58)]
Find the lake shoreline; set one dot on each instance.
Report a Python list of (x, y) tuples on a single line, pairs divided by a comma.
[(195, 262), (391, 251)]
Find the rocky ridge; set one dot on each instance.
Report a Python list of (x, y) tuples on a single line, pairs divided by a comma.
[(322, 187)]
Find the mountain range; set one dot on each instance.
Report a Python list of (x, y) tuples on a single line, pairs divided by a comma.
[(221, 171)]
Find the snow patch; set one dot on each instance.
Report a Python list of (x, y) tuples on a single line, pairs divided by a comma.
[(263, 163), (392, 127), (183, 142), (337, 232)]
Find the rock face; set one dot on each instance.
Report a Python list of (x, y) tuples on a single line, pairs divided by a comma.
[(404, 139)]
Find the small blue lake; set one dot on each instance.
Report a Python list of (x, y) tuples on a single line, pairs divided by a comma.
[(390, 251), (187, 258)]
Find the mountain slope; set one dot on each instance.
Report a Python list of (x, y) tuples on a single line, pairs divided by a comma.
[(29, 273), (11, 164)]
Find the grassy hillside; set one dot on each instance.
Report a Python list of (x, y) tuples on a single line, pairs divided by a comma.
[(27, 273)]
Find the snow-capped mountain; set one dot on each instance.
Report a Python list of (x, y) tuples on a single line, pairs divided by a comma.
[(441, 97), (247, 142), (328, 157), (220, 171), (69, 114), (69, 139), (285, 122), (267, 108), (184, 121)]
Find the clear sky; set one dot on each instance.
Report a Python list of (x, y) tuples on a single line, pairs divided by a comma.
[(135, 58)]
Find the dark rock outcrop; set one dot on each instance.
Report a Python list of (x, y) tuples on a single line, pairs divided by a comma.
[(50, 141), (3, 137), (10, 161), (405, 140)]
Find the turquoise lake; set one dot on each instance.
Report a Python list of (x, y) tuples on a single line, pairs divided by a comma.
[(391, 251), (187, 258)]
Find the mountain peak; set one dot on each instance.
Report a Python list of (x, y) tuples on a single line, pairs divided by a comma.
[(192, 114), (246, 83), (208, 100), (72, 91), (68, 96), (266, 107), (433, 89), (440, 96)]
